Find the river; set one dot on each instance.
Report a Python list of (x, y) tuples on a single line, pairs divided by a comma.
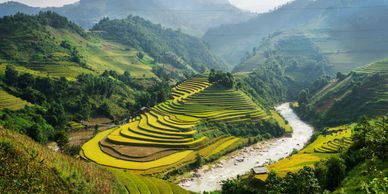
[(242, 161)]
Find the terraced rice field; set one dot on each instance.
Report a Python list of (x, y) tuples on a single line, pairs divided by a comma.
[(164, 138), (336, 140), (8, 101)]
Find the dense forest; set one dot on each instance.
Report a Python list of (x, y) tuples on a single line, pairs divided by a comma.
[(164, 45)]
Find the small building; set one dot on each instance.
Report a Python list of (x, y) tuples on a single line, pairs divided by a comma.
[(260, 170), (144, 109)]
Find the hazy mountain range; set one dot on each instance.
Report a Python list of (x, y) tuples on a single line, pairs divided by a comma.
[(348, 33), (191, 16)]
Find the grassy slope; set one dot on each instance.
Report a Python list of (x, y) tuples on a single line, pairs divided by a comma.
[(364, 91), (98, 54), (360, 175), (103, 55), (8, 101), (70, 174), (63, 174)]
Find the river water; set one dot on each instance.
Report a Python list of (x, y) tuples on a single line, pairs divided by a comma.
[(242, 161)]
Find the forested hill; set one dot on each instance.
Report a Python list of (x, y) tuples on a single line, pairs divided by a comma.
[(348, 33), (192, 16), (346, 99), (165, 45), (49, 43)]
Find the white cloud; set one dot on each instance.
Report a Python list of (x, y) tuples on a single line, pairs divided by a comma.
[(44, 3), (259, 6)]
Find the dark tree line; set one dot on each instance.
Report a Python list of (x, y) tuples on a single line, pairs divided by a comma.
[(58, 100), (221, 78)]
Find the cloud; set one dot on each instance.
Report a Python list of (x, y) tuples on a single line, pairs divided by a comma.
[(258, 5), (44, 3)]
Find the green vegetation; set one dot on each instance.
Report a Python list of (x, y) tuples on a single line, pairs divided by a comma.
[(49, 45), (8, 101), (164, 45), (222, 79), (362, 92), (177, 132), (27, 167), (356, 166), (58, 101)]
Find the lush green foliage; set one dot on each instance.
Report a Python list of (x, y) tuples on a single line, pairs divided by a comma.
[(221, 78), (27, 167), (339, 172), (164, 45), (260, 129), (23, 52), (362, 92), (60, 101)]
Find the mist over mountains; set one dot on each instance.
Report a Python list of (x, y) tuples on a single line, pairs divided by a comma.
[(191, 16), (348, 33)]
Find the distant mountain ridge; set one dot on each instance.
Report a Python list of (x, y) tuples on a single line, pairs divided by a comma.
[(348, 33), (191, 16)]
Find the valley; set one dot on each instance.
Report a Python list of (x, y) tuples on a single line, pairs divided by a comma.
[(163, 137), (209, 178), (168, 97)]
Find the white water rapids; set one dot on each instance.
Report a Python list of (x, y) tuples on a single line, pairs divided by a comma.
[(242, 161)]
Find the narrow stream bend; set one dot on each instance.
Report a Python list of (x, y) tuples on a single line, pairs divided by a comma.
[(242, 161)]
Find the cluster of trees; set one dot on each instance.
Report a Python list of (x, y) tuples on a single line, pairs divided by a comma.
[(370, 139), (75, 56), (269, 82), (350, 97), (60, 100), (164, 45), (221, 78), (254, 128), (34, 37)]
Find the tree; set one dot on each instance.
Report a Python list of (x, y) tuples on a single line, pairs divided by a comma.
[(26, 80), (140, 55), (304, 181), (56, 115), (11, 75), (304, 97), (36, 133), (198, 161), (336, 171), (61, 138), (340, 76)]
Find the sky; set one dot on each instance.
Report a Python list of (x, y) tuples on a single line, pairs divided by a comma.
[(259, 6)]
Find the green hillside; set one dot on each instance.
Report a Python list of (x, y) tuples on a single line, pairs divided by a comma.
[(28, 167), (362, 92), (49, 44), (164, 45), (176, 132)]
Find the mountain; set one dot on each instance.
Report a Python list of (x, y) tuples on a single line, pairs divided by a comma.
[(346, 99), (348, 33), (191, 16), (164, 45), (51, 44)]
